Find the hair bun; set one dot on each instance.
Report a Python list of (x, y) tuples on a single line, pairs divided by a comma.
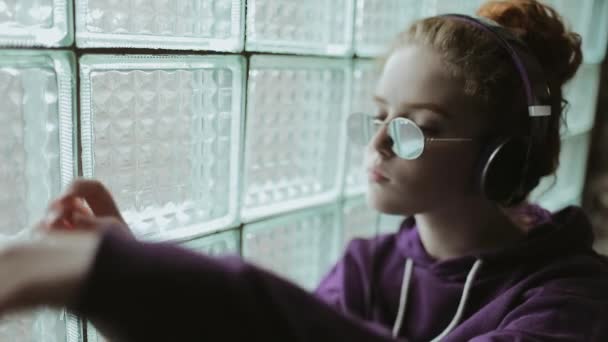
[(543, 30)]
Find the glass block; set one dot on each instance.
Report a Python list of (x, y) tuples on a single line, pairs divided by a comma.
[(390, 223), (307, 27), (581, 92), (560, 203), (295, 137), (164, 133), (377, 23), (436, 7), (44, 325), (300, 247), (36, 161), (74, 328), (93, 335), (217, 244), (589, 18), (575, 13), (555, 192), (216, 25), (36, 125), (595, 39), (358, 220), (45, 23), (365, 76)]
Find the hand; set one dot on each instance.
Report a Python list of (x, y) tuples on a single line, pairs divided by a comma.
[(50, 270), (84, 200), (62, 212)]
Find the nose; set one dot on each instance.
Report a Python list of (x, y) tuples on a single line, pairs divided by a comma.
[(382, 142)]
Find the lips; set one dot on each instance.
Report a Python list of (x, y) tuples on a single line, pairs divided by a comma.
[(376, 174)]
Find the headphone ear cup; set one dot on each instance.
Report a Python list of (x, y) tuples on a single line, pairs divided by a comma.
[(502, 170)]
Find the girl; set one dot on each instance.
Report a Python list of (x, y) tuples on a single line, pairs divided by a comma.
[(467, 123)]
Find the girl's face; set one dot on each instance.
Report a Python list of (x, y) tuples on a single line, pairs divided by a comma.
[(416, 84)]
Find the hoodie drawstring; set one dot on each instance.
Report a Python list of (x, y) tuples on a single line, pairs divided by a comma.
[(405, 285), (407, 277)]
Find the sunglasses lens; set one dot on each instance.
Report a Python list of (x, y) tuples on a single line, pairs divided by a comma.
[(407, 137)]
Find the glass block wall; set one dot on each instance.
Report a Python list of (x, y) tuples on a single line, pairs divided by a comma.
[(219, 124)]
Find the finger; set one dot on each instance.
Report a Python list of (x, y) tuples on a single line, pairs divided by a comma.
[(101, 223), (96, 196), (85, 221), (63, 206), (53, 219), (66, 200), (70, 202), (83, 207), (92, 222), (61, 217)]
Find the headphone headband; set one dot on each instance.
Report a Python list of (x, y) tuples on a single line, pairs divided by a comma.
[(497, 180), (535, 85)]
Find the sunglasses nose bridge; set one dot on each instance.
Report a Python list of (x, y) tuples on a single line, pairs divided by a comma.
[(401, 136), (381, 128), (379, 138)]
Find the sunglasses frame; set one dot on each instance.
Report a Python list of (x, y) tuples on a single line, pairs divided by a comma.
[(394, 122)]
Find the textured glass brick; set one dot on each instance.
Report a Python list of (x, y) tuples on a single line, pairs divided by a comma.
[(581, 93), (299, 246), (575, 13), (358, 220), (293, 26), (41, 326), (36, 161), (589, 18), (390, 223), (295, 139), (171, 24), (377, 23), (554, 192), (164, 134), (36, 23), (36, 125), (74, 328), (436, 7), (595, 39), (217, 244), (93, 335), (365, 77)]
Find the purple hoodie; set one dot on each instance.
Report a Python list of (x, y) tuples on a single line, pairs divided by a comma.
[(549, 287)]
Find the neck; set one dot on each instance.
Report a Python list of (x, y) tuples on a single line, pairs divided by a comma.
[(470, 225)]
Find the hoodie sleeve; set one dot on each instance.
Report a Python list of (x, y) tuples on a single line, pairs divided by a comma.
[(161, 292), (556, 314), (346, 286)]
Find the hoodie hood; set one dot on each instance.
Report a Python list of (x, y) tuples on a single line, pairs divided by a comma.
[(564, 232)]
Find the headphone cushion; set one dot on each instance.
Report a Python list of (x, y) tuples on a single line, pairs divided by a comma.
[(502, 169)]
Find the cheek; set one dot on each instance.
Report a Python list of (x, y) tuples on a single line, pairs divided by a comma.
[(418, 185), (437, 174)]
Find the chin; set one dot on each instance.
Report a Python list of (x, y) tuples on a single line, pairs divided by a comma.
[(390, 205)]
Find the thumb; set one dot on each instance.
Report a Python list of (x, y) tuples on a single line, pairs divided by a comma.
[(96, 196)]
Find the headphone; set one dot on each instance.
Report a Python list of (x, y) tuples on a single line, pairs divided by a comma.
[(504, 164)]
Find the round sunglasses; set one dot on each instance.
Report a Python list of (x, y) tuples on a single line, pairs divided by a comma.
[(408, 138)]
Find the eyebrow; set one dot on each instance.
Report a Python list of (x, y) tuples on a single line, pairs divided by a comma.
[(418, 105)]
